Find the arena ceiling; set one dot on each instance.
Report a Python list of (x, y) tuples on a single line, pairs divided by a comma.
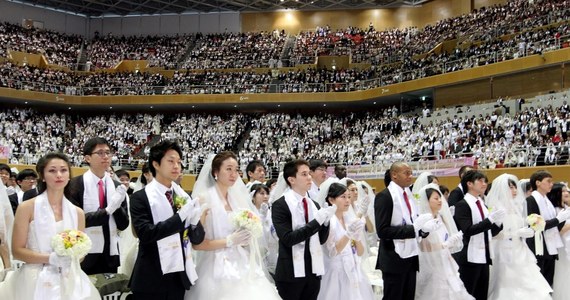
[(96, 8)]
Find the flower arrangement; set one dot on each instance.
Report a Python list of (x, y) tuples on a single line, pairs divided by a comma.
[(74, 243), (536, 222), (179, 201), (248, 220)]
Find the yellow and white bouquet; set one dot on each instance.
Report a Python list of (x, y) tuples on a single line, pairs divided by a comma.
[(249, 221), (74, 243)]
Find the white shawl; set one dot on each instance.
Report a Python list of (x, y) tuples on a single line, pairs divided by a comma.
[(298, 221), (91, 204), (170, 250), (476, 247), (51, 283), (552, 235), (405, 248)]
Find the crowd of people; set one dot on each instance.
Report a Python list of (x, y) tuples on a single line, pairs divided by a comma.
[(302, 236), (533, 136)]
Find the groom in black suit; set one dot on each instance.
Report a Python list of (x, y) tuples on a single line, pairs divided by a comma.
[(148, 280), (104, 214), (397, 222), (475, 257), (291, 285)]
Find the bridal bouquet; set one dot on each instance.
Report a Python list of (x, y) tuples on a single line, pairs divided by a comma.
[(72, 243), (248, 220), (536, 222)]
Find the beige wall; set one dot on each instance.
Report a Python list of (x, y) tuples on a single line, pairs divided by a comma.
[(294, 21)]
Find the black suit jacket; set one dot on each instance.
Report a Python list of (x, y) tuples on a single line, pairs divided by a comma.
[(30, 194), (283, 223), (532, 208), (99, 218), (388, 260), (455, 196), (13, 202), (463, 219), (147, 274)]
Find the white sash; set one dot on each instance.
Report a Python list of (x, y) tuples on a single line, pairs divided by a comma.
[(169, 248), (298, 221), (405, 248), (552, 235), (476, 247), (91, 204), (190, 266), (51, 283)]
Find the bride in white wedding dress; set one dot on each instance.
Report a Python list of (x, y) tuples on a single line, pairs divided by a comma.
[(228, 263), (514, 274)]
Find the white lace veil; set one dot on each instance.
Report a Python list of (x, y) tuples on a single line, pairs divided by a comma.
[(444, 212), (280, 188), (500, 196), (238, 191), (371, 196), (324, 189), (6, 217), (421, 181)]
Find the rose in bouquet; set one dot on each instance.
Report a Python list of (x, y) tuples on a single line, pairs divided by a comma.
[(74, 243), (248, 220), (536, 222)]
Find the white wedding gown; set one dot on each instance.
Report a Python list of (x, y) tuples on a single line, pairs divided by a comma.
[(344, 278), (514, 274), (562, 270), (438, 277), (227, 273), (21, 284)]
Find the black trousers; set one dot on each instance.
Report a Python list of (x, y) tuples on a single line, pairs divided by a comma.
[(399, 285), (300, 289), (546, 266), (475, 277)]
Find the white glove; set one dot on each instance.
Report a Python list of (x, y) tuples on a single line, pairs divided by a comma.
[(325, 214), (263, 210), (497, 216), (186, 210), (362, 206), (239, 237), (525, 232), (453, 240), (420, 221), (355, 229), (195, 213), (63, 262), (563, 215), (118, 197), (431, 225)]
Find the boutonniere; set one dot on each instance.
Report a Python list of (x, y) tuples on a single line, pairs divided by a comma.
[(179, 201), (416, 196)]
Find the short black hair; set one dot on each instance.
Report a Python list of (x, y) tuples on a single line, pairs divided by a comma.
[(463, 169), (555, 194), (443, 189), (252, 165), (6, 168), (538, 176), (26, 173), (471, 176), (122, 172), (258, 187), (270, 182), (430, 178), (335, 189), (317, 163), (290, 169), (157, 153), (92, 143)]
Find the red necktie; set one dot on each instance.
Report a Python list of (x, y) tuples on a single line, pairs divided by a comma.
[(101, 194), (168, 195), (305, 207), (408, 204), (480, 209)]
